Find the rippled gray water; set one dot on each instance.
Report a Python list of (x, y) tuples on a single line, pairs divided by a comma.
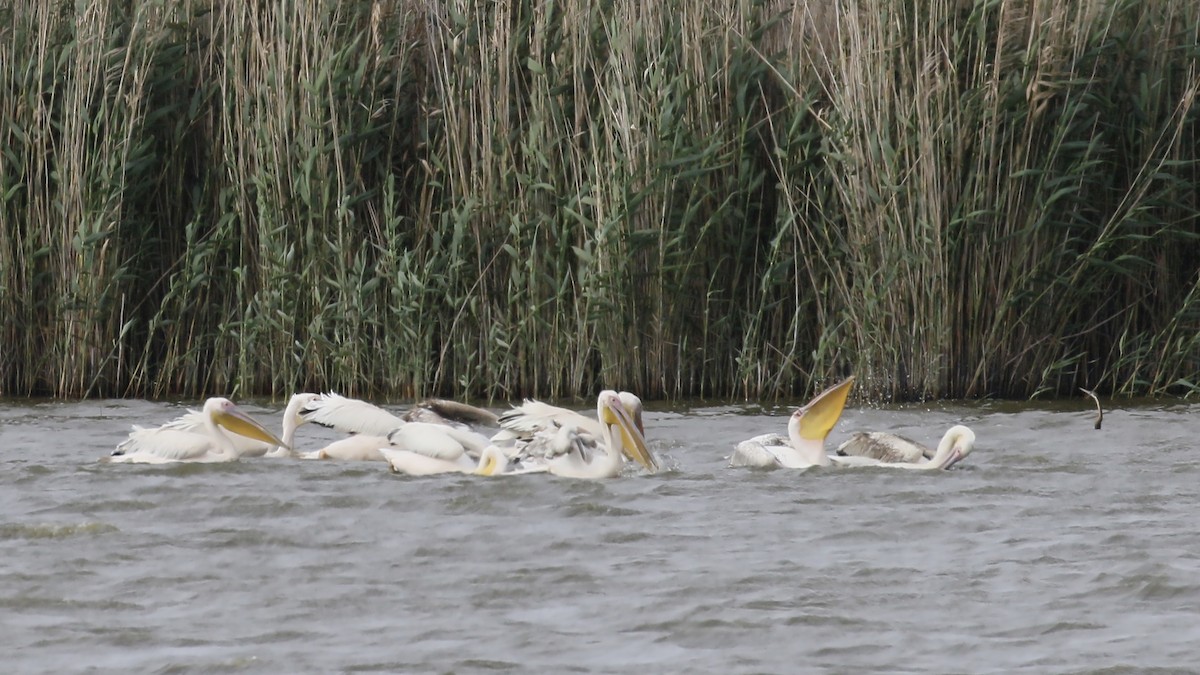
[(1052, 548)]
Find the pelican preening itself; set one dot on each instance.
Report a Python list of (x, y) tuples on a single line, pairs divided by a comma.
[(209, 443), (809, 426)]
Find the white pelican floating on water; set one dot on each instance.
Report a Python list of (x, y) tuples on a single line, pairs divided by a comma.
[(356, 448), (890, 450), (375, 428), (210, 444), (810, 425), (579, 455), (577, 444), (492, 462), (355, 416), (194, 421), (804, 445)]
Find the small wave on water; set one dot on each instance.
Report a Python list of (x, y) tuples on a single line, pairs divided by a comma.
[(53, 530)]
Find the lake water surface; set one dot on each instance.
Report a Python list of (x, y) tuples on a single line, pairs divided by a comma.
[(1053, 548)]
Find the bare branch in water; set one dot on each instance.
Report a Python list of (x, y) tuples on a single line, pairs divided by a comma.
[(1099, 410)]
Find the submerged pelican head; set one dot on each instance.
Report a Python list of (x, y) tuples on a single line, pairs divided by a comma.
[(622, 415), (223, 412)]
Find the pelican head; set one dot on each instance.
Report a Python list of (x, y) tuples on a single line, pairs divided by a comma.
[(624, 412), (956, 443), (223, 412), (633, 406), (293, 418), (297, 405)]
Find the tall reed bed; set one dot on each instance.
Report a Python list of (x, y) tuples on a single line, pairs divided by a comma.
[(512, 198), (1017, 183)]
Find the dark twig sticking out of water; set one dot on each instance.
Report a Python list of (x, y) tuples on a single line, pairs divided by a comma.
[(1099, 410)]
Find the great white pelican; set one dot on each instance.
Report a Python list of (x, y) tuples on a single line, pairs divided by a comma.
[(375, 428), (809, 426), (356, 448), (571, 457), (193, 422), (492, 462), (535, 430), (877, 448), (356, 416), (210, 443), (804, 446)]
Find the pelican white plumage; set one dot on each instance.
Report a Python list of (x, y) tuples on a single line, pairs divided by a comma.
[(435, 440), (194, 420), (375, 428), (208, 444), (350, 415), (355, 416), (885, 447), (804, 446), (416, 464), (533, 416), (356, 448), (368, 423), (535, 429), (492, 462), (896, 452), (619, 436)]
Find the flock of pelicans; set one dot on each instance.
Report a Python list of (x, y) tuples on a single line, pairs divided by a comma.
[(442, 437)]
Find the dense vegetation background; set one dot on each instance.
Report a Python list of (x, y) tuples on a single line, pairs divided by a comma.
[(541, 197)]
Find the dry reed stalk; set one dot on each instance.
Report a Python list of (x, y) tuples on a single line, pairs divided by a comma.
[(501, 199)]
